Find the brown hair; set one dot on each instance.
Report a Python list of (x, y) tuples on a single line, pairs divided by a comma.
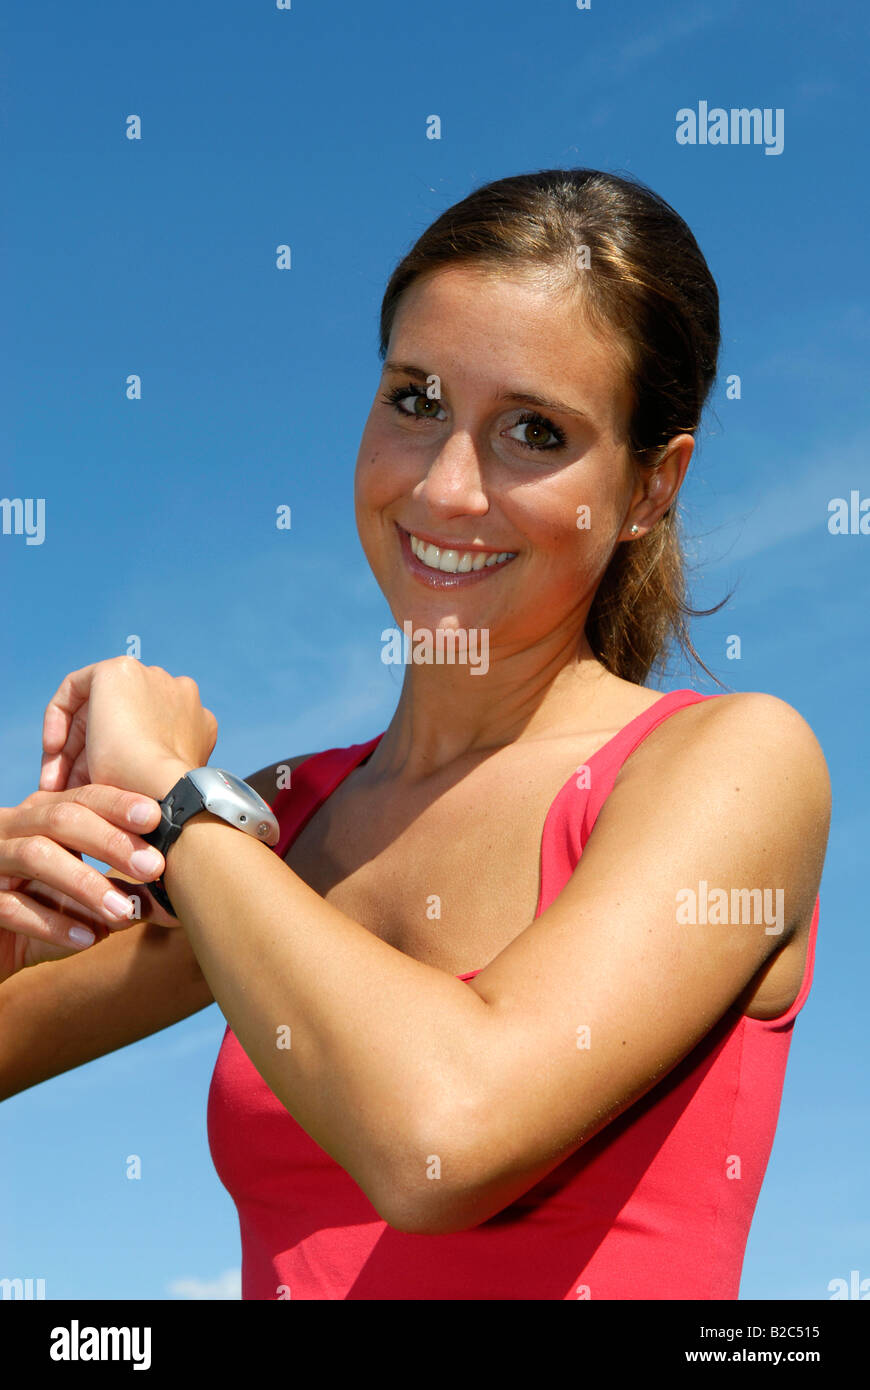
[(648, 281)]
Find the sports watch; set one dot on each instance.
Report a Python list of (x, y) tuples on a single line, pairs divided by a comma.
[(209, 789)]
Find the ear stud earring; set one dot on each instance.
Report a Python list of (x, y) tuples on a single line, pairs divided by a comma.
[(634, 530)]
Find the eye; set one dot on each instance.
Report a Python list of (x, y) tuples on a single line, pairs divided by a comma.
[(399, 393), (529, 420), (539, 423)]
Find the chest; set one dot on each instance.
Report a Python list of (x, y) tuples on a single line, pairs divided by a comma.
[(450, 879), (453, 877)]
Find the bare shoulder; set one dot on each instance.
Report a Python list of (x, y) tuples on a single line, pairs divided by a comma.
[(268, 781), (746, 725), (745, 767)]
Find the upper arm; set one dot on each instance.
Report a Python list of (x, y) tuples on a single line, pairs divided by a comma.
[(611, 987)]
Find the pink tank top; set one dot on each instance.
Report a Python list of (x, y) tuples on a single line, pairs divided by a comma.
[(658, 1205)]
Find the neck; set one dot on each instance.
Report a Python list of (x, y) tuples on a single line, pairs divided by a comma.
[(446, 713)]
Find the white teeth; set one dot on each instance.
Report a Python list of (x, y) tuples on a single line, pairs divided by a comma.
[(456, 561)]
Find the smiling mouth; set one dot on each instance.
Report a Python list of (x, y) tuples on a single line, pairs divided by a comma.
[(450, 561)]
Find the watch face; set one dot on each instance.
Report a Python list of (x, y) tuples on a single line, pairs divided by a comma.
[(234, 784), (236, 802)]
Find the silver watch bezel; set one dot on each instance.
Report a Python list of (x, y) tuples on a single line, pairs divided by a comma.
[(236, 802)]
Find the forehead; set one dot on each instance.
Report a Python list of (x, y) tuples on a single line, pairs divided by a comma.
[(490, 329)]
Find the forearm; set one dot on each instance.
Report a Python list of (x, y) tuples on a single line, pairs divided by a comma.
[(62, 1014), (380, 1044)]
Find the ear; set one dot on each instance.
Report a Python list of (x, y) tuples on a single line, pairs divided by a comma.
[(658, 486)]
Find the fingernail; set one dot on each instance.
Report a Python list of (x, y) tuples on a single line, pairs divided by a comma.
[(81, 936), (117, 905), (146, 861), (141, 813)]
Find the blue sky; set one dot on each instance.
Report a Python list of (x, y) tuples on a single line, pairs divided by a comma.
[(307, 127)]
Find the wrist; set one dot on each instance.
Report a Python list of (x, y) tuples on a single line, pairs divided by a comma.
[(162, 777), (209, 794), (202, 817)]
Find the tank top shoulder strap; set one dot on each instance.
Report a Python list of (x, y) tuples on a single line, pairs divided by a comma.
[(574, 811), (310, 784), (604, 765)]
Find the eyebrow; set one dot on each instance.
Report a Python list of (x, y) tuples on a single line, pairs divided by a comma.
[(521, 397)]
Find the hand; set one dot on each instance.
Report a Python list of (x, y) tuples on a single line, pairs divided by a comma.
[(45, 886), (127, 725), (64, 761)]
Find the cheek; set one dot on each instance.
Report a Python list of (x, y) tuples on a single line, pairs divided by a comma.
[(555, 514), (385, 472), (372, 479), (570, 526), (591, 506), (377, 490), (362, 498), (368, 455)]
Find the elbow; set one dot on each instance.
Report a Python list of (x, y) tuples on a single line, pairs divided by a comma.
[(416, 1204), (444, 1223), (439, 1190), (428, 1217), (438, 1212)]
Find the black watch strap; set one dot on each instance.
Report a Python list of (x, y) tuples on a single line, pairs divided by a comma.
[(176, 808), (160, 895)]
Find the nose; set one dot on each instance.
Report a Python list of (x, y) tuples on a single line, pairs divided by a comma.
[(454, 480)]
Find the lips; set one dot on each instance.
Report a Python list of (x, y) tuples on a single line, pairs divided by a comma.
[(450, 560), (449, 566)]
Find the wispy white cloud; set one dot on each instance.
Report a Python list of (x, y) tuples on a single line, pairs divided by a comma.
[(639, 56), (798, 504), (815, 87), (668, 29), (225, 1286)]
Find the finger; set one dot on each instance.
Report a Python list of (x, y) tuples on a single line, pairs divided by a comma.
[(67, 700), (58, 774), (39, 857), (149, 908), (76, 827), (128, 810), (70, 695), (79, 774), (59, 771), (66, 768), (53, 773), (77, 913), (31, 919)]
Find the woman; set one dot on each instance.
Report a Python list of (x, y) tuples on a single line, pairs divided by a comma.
[(523, 969)]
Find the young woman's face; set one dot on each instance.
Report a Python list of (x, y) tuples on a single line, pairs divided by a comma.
[(465, 468)]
